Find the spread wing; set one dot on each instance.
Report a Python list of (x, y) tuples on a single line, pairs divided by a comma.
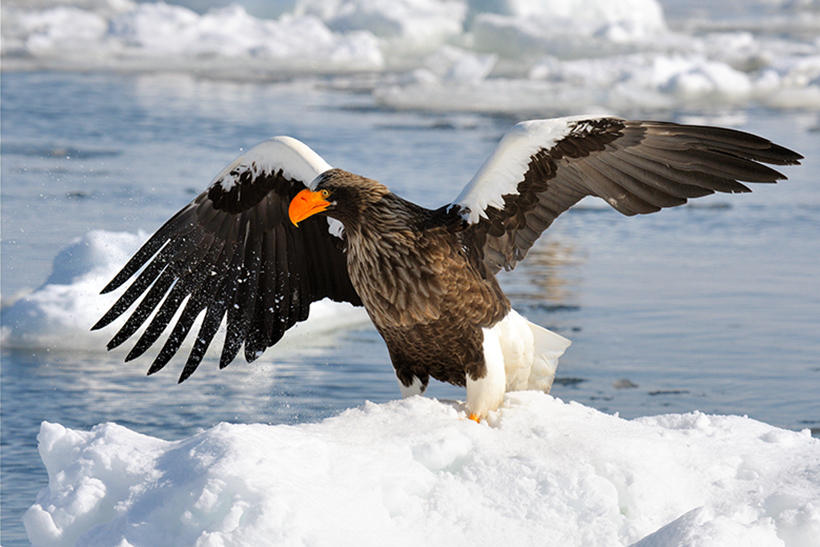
[(233, 252), (543, 167)]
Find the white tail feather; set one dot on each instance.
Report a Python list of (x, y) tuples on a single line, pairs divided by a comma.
[(549, 346), (519, 355), (531, 353)]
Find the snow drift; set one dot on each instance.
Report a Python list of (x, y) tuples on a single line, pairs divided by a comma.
[(416, 472)]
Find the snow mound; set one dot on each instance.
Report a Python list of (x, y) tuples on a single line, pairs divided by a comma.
[(59, 314), (416, 472)]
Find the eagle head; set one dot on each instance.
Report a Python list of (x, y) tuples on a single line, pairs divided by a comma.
[(339, 194)]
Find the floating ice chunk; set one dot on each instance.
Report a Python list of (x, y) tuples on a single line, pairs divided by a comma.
[(59, 313), (699, 77), (65, 28), (566, 28), (795, 83), (643, 80), (419, 23), (232, 32), (458, 65)]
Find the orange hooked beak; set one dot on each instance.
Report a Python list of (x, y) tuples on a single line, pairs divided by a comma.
[(306, 203)]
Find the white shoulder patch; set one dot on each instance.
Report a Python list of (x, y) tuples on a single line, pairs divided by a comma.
[(505, 168), (295, 159), (335, 228)]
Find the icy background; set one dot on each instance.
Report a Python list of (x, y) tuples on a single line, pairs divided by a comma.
[(115, 113), (480, 55)]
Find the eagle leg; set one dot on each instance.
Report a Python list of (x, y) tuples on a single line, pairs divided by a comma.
[(486, 393)]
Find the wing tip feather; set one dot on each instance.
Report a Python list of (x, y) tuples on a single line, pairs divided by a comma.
[(156, 366), (99, 324), (188, 370), (135, 352)]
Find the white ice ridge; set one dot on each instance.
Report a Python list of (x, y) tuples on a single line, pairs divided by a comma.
[(551, 56), (416, 472), (59, 314)]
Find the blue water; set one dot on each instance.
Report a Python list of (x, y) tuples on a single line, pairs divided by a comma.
[(714, 307)]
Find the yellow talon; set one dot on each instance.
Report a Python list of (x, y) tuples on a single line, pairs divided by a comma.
[(475, 418)]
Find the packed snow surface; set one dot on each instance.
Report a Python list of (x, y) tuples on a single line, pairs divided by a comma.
[(415, 472), (481, 55)]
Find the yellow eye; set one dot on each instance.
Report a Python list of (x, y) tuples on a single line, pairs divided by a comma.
[(325, 193)]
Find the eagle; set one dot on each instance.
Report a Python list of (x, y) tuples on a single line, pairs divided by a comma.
[(279, 228)]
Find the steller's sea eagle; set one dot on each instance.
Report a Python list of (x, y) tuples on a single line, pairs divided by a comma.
[(255, 247)]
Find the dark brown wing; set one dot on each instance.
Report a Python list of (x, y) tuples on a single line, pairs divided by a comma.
[(233, 252), (543, 167)]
